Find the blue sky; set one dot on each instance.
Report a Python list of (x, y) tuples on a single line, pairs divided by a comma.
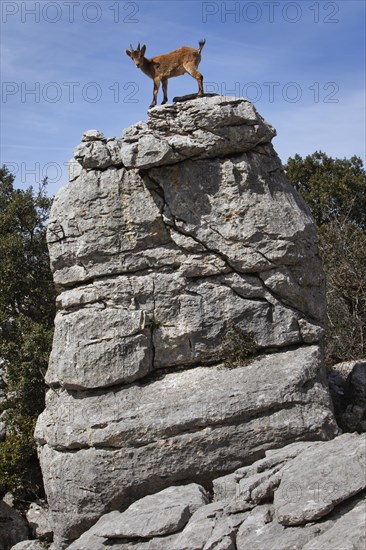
[(64, 71)]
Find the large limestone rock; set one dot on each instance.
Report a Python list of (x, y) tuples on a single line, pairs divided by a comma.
[(163, 241), (341, 476), (249, 515)]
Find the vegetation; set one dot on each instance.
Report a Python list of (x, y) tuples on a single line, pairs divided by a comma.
[(237, 347), (343, 247), (335, 191), (27, 309)]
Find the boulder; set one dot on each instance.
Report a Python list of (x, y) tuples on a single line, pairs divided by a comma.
[(28, 545), (13, 527), (93, 135), (153, 518), (37, 517), (230, 525), (188, 337), (341, 474), (155, 515), (123, 442)]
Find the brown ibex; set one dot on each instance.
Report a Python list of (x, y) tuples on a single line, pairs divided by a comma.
[(160, 68)]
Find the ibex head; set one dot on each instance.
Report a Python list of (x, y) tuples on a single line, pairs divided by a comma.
[(137, 55)]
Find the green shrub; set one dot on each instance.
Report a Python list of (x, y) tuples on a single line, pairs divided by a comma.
[(237, 347), (27, 310)]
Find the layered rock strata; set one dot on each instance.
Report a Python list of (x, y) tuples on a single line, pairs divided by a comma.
[(305, 496), (163, 241)]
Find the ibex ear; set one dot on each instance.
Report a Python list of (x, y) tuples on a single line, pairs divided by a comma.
[(143, 49), (128, 53)]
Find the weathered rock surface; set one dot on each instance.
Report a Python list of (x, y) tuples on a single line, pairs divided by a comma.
[(110, 446), (347, 533), (155, 515), (164, 239), (253, 522), (341, 474), (28, 545), (37, 517), (151, 518), (347, 384)]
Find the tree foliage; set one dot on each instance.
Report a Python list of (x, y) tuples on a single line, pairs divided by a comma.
[(343, 246), (26, 323), (335, 190)]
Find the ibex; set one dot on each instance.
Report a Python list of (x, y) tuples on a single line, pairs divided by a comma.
[(162, 67)]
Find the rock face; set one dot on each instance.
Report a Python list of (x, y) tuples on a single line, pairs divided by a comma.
[(37, 517), (297, 498), (347, 384), (162, 242)]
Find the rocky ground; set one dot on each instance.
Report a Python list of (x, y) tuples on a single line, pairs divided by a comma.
[(304, 496)]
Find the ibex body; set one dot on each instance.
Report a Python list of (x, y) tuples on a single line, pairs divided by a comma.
[(160, 68)]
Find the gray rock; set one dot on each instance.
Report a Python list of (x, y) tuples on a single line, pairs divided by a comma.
[(347, 533), (149, 322), (92, 538), (98, 154), (338, 389), (205, 128), (131, 440), (28, 545), (93, 135), (273, 458), (74, 169), (166, 238), (223, 535), (200, 528), (254, 490), (224, 487), (251, 485), (214, 526), (136, 414), (260, 531), (319, 478), (37, 517), (115, 349), (14, 528), (157, 543), (155, 515)]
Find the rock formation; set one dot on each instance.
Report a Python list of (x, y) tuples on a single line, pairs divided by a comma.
[(347, 385), (305, 496), (13, 527), (164, 242)]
